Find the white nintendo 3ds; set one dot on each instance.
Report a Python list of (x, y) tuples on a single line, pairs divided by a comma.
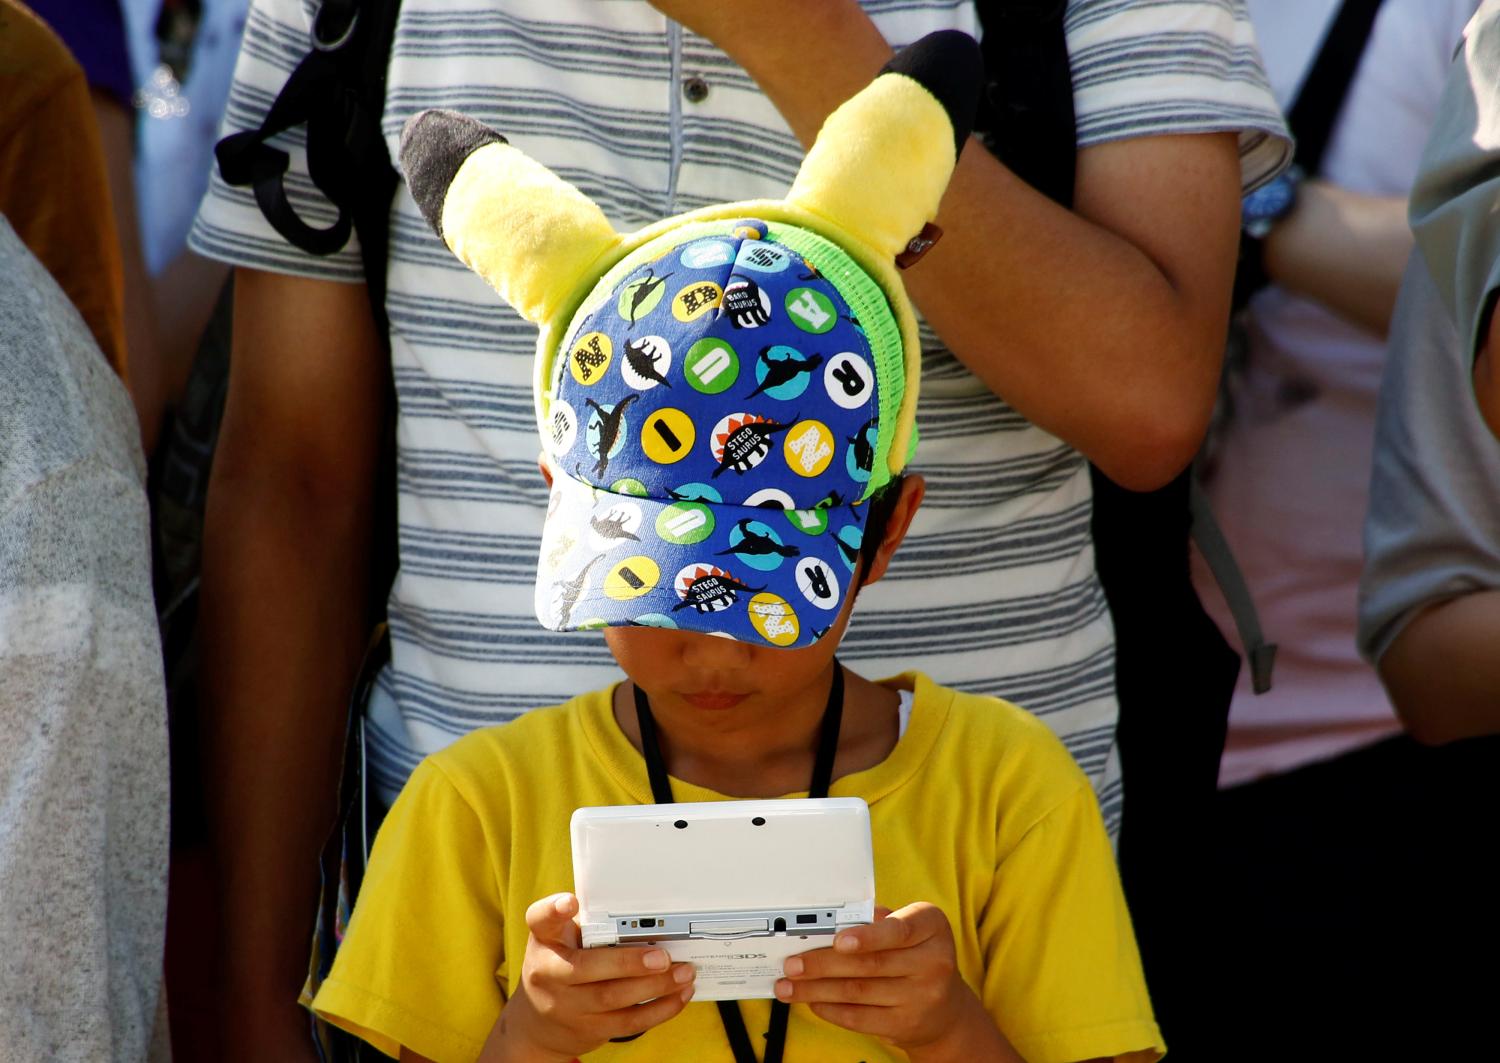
[(733, 887)]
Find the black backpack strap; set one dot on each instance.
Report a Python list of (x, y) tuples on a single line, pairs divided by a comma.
[(1326, 86), (338, 93), (1026, 117)]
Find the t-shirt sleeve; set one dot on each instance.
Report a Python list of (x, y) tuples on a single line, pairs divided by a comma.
[(419, 965), (1429, 533), (1156, 69), (1063, 975), (1452, 202), (229, 226)]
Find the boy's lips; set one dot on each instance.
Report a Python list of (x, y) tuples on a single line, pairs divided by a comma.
[(714, 699)]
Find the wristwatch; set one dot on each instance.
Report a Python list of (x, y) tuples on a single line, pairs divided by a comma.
[(1259, 213)]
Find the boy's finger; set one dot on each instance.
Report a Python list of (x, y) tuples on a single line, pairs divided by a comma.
[(550, 920), (902, 929), (871, 963), (638, 1019), (597, 998), (628, 961), (870, 992)]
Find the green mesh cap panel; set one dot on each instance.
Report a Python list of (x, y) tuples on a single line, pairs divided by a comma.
[(873, 312)]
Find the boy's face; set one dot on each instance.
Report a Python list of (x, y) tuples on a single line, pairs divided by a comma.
[(693, 673)]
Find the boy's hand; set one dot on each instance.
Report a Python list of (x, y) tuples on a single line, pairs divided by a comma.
[(572, 999), (896, 979)]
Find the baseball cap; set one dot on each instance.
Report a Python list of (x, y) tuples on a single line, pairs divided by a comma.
[(721, 393), (713, 424)]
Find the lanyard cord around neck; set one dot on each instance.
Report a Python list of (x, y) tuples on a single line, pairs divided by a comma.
[(661, 792)]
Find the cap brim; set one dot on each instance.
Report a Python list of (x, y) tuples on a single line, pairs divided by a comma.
[(761, 574)]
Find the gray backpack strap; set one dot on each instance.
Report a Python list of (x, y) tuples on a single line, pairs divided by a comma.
[(1259, 654)]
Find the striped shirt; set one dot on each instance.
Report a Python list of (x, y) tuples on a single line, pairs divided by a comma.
[(994, 590)]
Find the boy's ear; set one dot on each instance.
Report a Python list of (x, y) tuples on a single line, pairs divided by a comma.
[(913, 490), (522, 228), (882, 160)]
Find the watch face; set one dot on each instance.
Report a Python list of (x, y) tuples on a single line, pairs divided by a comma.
[(1268, 203)]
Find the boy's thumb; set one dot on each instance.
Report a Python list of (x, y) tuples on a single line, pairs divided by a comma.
[(551, 920)]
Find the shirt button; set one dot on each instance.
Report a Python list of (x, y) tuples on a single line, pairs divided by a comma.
[(695, 89)]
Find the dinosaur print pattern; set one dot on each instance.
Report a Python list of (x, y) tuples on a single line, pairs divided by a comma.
[(750, 491)]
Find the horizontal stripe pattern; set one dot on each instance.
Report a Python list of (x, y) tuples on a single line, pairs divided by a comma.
[(994, 591)]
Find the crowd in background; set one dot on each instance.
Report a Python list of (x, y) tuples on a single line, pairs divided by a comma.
[(1308, 857)]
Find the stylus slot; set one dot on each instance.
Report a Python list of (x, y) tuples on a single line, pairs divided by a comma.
[(727, 928)]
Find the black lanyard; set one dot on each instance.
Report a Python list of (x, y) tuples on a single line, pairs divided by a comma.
[(661, 792)]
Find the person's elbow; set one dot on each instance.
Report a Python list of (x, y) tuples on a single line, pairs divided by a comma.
[(1439, 673), (1155, 436)]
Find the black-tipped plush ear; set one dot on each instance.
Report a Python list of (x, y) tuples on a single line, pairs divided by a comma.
[(883, 157), (525, 230), (434, 144), (949, 65)]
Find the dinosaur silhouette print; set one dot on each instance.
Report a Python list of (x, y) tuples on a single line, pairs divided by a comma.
[(707, 589), (851, 553), (756, 543), (609, 429), (643, 288), (830, 501), (642, 358), (566, 592), (613, 527), (781, 371), (864, 452), (744, 441)]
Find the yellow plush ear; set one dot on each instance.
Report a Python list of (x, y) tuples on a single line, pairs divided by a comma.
[(882, 160), (522, 228)]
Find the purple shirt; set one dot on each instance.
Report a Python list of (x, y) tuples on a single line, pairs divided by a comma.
[(94, 31)]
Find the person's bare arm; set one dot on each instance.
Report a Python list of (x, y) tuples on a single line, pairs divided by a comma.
[(184, 294), (285, 588), (1442, 672), (1346, 250), (1104, 325)]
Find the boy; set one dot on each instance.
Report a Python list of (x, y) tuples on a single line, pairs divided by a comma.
[(726, 416)]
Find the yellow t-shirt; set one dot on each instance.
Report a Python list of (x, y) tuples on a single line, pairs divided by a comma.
[(979, 810)]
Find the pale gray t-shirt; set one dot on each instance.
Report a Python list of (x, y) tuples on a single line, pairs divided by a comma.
[(83, 758), (1433, 529)]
